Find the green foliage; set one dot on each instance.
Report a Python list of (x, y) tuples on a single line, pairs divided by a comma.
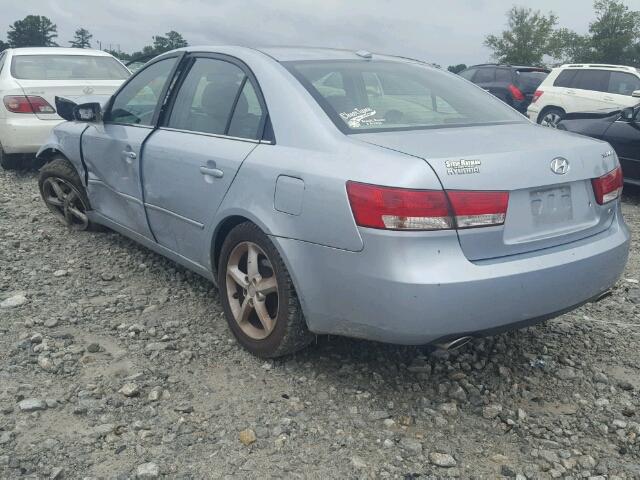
[(125, 57), (81, 39), (170, 41), (3, 45), (530, 36), (570, 47), (33, 31), (615, 34), (457, 68)]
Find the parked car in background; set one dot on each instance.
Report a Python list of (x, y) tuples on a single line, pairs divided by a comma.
[(584, 88), (621, 128), (30, 79), (135, 64), (347, 193), (513, 85)]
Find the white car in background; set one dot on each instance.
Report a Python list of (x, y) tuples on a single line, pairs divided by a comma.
[(31, 78), (584, 88)]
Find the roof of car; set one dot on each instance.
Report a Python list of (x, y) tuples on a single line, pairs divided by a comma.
[(506, 65), (57, 51), (285, 54), (290, 53), (600, 66)]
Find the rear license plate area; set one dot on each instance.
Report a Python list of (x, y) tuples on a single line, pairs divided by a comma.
[(551, 205)]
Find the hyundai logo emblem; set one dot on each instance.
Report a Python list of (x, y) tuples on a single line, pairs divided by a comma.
[(559, 165), (87, 90)]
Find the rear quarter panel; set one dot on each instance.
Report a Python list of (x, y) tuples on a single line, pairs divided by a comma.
[(324, 216)]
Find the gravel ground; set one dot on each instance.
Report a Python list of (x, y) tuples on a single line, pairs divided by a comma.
[(116, 363)]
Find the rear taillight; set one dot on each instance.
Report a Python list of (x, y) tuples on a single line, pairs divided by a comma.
[(398, 208), (478, 209), (391, 208), (609, 186), (27, 104), (516, 93), (536, 96)]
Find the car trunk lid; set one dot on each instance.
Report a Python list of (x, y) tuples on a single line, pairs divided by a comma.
[(71, 89), (545, 208)]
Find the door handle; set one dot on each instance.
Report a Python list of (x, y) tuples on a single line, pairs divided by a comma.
[(608, 99), (213, 172), (570, 92), (129, 154)]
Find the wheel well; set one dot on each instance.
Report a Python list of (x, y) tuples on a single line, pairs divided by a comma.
[(46, 156), (546, 109), (221, 234)]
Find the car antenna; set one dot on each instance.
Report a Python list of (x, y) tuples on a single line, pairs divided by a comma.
[(364, 54)]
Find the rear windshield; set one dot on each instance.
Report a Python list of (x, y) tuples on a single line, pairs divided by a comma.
[(67, 67), (381, 95), (529, 80)]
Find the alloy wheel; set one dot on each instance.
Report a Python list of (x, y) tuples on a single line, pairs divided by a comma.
[(252, 290), (551, 120), (64, 200)]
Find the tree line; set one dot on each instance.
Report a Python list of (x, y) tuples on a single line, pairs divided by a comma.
[(533, 38), (40, 31)]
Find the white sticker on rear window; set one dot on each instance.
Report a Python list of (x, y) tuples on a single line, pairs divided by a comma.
[(361, 117)]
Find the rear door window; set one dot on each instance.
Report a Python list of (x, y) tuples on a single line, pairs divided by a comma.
[(217, 97), (247, 116), (207, 96), (566, 79), (621, 83), (485, 75), (595, 80)]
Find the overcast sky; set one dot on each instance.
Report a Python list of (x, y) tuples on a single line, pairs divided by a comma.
[(444, 32)]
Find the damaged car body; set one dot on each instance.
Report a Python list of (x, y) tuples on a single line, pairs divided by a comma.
[(332, 192)]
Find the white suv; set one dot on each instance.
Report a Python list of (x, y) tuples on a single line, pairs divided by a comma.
[(583, 88), (30, 79)]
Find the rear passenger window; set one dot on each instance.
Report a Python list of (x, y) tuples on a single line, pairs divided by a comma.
[(623, 83), (503, 75), (485, 75), (206, 97), (566, 79), (247, 116), (595, 80)]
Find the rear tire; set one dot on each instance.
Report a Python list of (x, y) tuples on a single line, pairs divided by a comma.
[(64, 195), (258, 296), (12, 161), (550, 117)]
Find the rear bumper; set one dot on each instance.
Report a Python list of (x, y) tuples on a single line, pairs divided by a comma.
[(24, 133), (416, 288), (532, 112)]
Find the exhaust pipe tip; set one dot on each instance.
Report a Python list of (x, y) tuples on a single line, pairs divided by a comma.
[(454, 344)]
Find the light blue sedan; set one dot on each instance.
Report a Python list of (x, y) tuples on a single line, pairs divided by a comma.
[(338, 192)]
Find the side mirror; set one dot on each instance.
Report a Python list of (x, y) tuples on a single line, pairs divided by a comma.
[(636, 94), (88, 112), (628, 114)]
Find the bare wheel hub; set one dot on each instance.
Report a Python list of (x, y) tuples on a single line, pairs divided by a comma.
[(252, 290)]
